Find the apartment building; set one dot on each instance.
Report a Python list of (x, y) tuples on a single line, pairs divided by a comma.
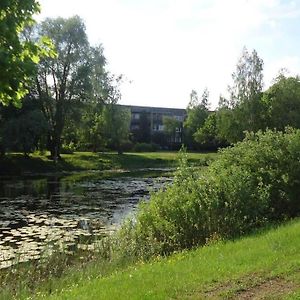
[(148, 124)]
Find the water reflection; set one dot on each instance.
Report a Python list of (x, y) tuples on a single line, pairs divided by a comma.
[(39, 215)]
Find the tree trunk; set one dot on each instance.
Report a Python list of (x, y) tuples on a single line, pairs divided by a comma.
[(55, 144)]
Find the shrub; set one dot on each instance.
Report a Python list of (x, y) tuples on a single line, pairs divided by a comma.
[(250, 184), (127, 146), (274, 159), (145, 147), (68, 148)]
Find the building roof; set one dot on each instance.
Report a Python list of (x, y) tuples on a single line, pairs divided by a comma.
[(161, 110)]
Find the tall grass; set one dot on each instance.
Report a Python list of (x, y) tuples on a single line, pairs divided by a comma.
[(222, 270)]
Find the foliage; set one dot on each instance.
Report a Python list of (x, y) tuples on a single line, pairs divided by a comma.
[(250, 109), (99, 124), (283, 102), (24, 132), (207, 135), (75, 76), (245, 110), (170, 125), (248, 78), (197, 112), (172, 131), (160, 138), (23, 129), (68, 148), (18, 57), (250, 184), (145, 147), (115, 122), (228, 125)]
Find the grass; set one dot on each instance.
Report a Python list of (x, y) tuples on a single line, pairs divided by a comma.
[(17, 164), (221, 270), (262, 265)]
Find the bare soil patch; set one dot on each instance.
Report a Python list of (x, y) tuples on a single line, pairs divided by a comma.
[(254, 286), (273, 288)]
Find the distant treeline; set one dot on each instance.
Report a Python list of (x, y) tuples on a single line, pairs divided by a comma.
[(67, 101), (248, 107)]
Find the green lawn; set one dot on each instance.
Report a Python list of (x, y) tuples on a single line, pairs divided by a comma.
[(265, 265), (17, 164)]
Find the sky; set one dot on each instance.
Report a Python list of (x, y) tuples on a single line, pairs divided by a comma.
[(167, 48)]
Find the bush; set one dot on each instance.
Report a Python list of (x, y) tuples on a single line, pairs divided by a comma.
[(68, 148), (127, 146), (145, 147), (250, 184)]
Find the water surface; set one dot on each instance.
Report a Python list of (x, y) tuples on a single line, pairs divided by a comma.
[(38, 215)]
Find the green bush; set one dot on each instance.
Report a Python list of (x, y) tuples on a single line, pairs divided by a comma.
[(250, 184), (145, 147), (68, 148)]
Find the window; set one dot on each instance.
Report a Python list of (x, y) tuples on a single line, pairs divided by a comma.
[(155, 127), (179, 118), (135, 116)]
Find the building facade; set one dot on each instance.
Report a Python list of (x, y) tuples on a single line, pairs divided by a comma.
[(149, 124)]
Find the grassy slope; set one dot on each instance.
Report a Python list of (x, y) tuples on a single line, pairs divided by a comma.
[(17, 164), (266, 264)]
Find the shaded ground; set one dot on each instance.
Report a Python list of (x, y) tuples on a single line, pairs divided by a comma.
[(17, 164)]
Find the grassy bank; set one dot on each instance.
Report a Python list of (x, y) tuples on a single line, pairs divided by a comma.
[(17, 164), (262, 265)]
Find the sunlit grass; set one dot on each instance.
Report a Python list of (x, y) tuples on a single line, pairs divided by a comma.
[(220, 270), (265, 263), (17, 164)]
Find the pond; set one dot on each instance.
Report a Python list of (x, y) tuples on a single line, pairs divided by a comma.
[(62, 213)]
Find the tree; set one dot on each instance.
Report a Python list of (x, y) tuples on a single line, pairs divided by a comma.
[(115, 126), (282, 100), (197, 112), (228, 126), (75, 76), (204, 102), (171, 125), (24, 127), (23, 133), (248, 78), (207, 135), (246, 92), (17, 57), (245, 111), (101, 118)]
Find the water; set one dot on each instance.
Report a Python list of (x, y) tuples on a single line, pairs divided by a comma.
[(42, 215)]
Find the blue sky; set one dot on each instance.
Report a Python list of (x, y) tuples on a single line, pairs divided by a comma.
[(166, 48)]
